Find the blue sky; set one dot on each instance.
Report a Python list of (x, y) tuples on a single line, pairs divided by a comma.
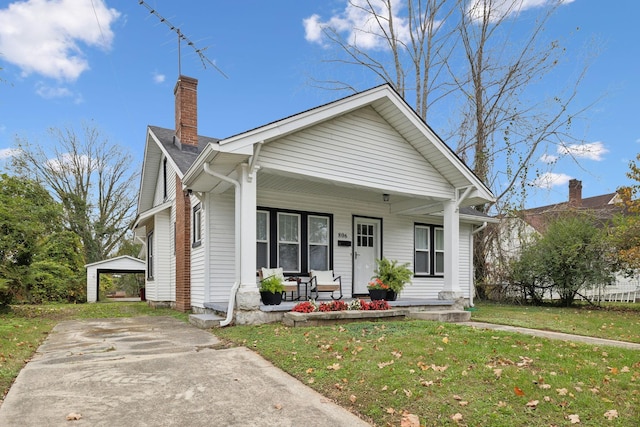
[(114, 64)]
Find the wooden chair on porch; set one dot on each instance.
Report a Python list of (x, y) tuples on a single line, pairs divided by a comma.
[(324, 281), (290, 285)]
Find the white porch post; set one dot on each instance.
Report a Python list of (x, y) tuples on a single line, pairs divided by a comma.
[(451, 288), (248, 297)]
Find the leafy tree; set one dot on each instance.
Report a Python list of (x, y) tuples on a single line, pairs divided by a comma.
[(28, 215), (92, 179), (572, 256), (625, 236)]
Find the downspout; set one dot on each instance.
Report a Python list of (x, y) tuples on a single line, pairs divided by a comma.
[(236, 285)]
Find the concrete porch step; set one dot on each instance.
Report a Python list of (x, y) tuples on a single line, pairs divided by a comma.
[(205, 320), (451, 316)]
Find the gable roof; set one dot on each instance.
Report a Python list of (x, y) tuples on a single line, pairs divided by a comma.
[(604, 207), (162, 142), (388, 104)]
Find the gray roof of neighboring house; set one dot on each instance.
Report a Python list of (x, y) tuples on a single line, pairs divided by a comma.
[(183, 158)]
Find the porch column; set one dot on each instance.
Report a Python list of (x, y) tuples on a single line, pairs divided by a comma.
[(451, 288), (248, 297)]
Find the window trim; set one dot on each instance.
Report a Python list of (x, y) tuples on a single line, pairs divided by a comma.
[(290, 242), (196, 226), (304, 239), (327, 244), (432, 250), (150, 256), (436, 251), (268, 234)]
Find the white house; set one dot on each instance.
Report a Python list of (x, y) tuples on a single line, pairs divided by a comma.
[(331, 188)]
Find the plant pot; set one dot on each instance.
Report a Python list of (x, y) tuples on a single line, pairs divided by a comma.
[(391, 295), (377, 294), (269, 298)]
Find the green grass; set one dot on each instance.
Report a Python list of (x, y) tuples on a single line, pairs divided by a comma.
[(614, 321), (433, 370), (24, 327)]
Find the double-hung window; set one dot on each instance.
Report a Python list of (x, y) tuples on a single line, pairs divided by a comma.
[(197, 225), (428, 250), (318, 242), (294, 240), (150, 258), (262, 239), (289, 242)]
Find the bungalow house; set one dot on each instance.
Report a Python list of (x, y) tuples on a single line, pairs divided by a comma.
[(331, 188)]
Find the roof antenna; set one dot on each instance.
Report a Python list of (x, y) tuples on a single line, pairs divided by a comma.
[(181, 36)]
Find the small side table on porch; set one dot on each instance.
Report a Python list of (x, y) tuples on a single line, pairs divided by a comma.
[(292, 284)]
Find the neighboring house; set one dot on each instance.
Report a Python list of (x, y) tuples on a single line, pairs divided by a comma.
[(331, 188), (518, 229)]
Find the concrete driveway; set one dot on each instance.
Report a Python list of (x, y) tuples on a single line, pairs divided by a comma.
[(157, 371)]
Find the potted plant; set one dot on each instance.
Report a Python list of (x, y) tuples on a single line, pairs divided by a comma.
[(377, 289), (271, 290), (394, 275)]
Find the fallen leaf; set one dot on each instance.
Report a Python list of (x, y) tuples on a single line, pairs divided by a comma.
[(463, 403), (574, 418), (73, 416), (611, 414), (426, 383), (614, 371), (439, 368), (624, 369), (390, 411), (445, 340), (533, 404), (311, 380), (334, 367), (545, 386), (397, 354), (338, 386), (502, 404), (562, 391), (384, 388), (518, 391), (277, 406), (457, 417), (456, 397), (497, 372), (353, 398), (310, 370), (547, 399), (407, 393), (410, 420), (385, 364)]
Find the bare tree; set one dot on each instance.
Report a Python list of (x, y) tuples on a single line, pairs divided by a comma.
[(466, 56), (92, 178)]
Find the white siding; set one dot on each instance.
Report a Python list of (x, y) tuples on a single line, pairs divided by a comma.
[(221, 236), (197, 259), (368, 149)]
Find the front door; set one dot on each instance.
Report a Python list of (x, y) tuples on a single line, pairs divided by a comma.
[(366, 232)]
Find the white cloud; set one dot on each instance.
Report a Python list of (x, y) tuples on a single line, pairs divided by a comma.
[(44, 36), (158, 78), (359, 25), (50, 92), (66, 161), (548, 158), (7, 152), (591, 151), (501, 9), (550, 179)]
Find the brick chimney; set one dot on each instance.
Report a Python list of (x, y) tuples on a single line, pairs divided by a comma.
[(186, 95), (575, 193)]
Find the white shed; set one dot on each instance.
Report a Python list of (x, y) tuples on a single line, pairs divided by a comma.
[(121, 264)]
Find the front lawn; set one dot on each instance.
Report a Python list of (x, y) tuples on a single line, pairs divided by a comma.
[(447, 374), (616, 321)]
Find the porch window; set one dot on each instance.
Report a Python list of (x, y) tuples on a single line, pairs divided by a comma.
[(439, 250), (428, 250), (150, 256), (197, 225), (421, 243), (297, 241), (289, 242), (262, 239), (318, 242)]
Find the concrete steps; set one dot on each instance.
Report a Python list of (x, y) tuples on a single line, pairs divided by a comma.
[(205, 320)]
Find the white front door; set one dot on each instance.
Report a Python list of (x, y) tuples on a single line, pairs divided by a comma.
[(366, 232)]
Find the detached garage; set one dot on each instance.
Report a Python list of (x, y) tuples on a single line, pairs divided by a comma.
[(122, 264)]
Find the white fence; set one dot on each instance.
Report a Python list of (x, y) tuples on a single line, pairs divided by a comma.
[(624, 290)]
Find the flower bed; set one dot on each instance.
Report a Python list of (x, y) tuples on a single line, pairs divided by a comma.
[(312, 307)]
